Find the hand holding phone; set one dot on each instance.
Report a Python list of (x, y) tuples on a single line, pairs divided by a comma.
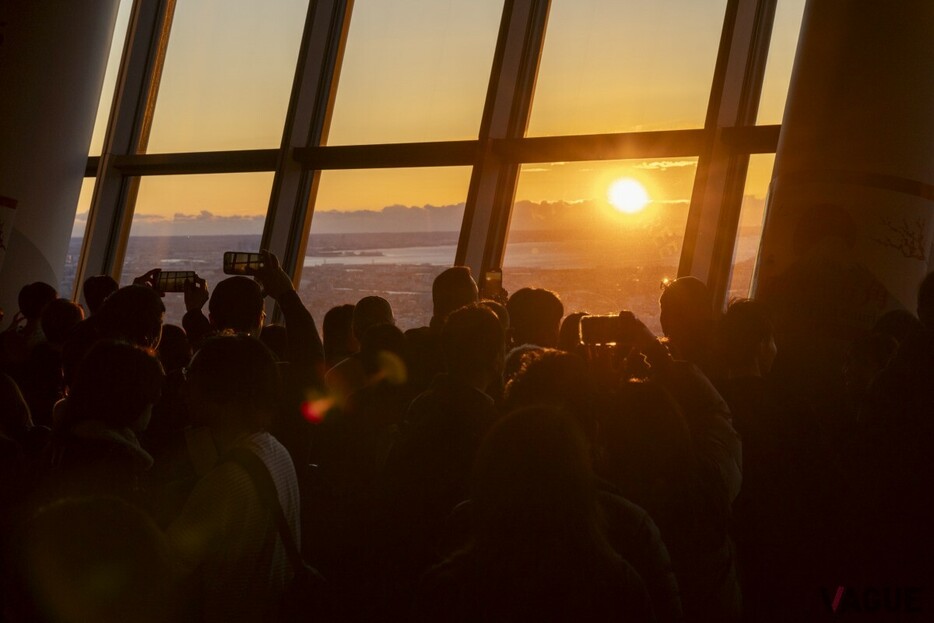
[(174, 280), (242, 263), (150, 280)]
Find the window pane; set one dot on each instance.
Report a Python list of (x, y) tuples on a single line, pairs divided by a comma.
[(415, 70), (66, 286), (751, 220), (186, 222), (788, 15), (228, 75), (610, 66), (601, 250), (110, 77), (384, 232)]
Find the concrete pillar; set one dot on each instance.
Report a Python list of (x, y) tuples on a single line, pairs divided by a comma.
[(850, 221), (53, 55)]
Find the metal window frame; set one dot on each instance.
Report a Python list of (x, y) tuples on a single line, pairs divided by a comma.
[(722, 146)]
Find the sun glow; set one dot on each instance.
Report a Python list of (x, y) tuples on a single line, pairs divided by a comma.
[(627, 195)]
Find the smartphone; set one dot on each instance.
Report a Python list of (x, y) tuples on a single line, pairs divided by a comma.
[(174, 280), (491, 287), (240, 263), (609, 329)]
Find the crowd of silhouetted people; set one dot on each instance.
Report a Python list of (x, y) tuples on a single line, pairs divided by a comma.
[(500, 464)]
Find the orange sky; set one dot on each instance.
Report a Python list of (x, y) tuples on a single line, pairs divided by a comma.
[(417, 70)]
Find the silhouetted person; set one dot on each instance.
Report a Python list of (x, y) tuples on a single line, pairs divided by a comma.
[(99, 559), (452, 289), (25, 331), (538, 551), (350, 374), (428, 469), (337, 334), (276, 339), (225, 538), (96, 289), (135, 314), (535, 316), (95, 448), (926, 302), (650, 456), (687, 319)]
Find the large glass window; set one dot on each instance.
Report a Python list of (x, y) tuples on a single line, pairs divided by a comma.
[(602, 235), (228, 75), (383, 232), (751, 220), (610, 66), (186, 222), (782, 47), (110, 77), (415, 70), (67, 284)]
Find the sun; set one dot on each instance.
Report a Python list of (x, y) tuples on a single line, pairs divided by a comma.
[(627, 195)]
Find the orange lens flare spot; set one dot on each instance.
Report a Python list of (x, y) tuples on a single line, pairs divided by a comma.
[(316, 410)]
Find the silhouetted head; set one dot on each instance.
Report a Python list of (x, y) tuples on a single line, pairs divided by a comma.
[(58, 318), (472, 342), (554, 378), (370, 311), (926, 302), (501, 313), (870, 354), (686, 307), (532, 484), (380, 341), (646, 438), (96, 289), (899, 324), (234, 385), (34, 297), (133, 313), (337, 335), (276, 339), (452, 289), (535, 315), (117, 384), (236, 305), (15, 418), (746, 337), (100, 559), (174, 350)]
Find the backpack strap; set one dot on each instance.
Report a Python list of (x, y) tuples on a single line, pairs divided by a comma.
[(269, 497)]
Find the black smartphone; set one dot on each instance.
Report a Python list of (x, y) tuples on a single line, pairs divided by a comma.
[(240, 263), (491, 286), (609, 329), (174, 280)]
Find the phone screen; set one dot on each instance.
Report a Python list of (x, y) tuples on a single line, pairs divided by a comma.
[(174, 280), (240, 263)]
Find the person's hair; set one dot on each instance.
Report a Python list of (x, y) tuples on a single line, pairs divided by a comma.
[(472, 339), (926, 301), (58, 318), (534, 315), (174, 350), (743, 328), (133, 313), (686, 306), (554, 378), (236, 305), (100, 559), (452, 289), (500, 310), (337, 334), (34, 297), (276, 339), (96, 289), (379, 340), (114, 384), (533, 490), (369, 311), (238, 374), (646, 438), (15, 418)]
